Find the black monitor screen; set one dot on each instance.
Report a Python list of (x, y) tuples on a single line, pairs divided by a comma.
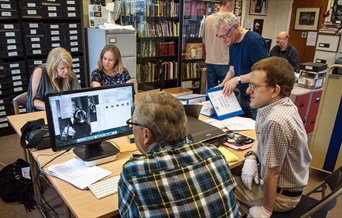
[(88, 116)]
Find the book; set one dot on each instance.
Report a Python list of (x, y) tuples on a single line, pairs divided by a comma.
[(76, 173)]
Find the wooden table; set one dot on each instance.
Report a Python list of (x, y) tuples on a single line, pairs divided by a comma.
[(82, 203)]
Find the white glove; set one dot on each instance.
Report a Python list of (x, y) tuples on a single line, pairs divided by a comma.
[(259, 212), (250, 173)]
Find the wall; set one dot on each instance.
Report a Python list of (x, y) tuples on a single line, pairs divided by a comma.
[(276, 20)]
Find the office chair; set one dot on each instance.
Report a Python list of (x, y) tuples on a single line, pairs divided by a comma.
[(19, 100), (311, 207)]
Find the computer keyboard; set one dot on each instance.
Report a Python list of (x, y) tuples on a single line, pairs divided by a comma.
[(105, 187)]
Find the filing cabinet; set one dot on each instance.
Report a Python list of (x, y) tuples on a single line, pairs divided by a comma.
[(328, 48), (307, 102), (29, 29)]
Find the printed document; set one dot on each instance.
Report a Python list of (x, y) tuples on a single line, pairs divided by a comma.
[(76, 173), (225, 106)]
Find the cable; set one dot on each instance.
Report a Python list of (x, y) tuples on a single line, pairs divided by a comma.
[(35, 182)]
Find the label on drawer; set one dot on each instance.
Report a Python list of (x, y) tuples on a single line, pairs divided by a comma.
[(17, 89), (308, 67), (2, 107), (15, 71), (14, 65), (3, 125), (2, 113), (16, 77), (8, 26), (3, 119)]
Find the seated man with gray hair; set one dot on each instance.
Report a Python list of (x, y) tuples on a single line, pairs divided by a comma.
[(171, 177)]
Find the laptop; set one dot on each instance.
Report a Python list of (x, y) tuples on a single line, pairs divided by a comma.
[(200, 131)]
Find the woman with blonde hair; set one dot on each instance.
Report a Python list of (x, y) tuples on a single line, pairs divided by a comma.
[(54, 76), (110, 68)]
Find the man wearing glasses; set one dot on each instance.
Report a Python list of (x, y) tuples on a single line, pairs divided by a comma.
[(285, 50), (216, 52), (273, 179), (246, 48), (171, 177)]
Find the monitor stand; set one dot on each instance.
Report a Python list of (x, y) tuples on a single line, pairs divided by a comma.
[(95, 154)]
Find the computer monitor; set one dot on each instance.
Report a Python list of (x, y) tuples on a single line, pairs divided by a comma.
[(82, 119)]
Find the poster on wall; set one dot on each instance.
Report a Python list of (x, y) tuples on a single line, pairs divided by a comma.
[(336, 16), (258, 25), (238, 9)]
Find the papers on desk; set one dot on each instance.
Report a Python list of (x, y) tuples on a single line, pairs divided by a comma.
[(239, 123), (225, 106), (76, 173)]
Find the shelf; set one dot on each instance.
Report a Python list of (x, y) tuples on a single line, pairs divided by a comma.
[(157, 59), (166, 38)]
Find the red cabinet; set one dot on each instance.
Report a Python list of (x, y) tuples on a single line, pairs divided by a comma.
[(307, 102)]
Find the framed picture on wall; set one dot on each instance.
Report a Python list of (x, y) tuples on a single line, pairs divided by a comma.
[(336, 16), (307, 18), (258, 7), (258, 26)]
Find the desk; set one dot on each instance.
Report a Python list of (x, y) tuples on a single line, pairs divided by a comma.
[(82, 203)]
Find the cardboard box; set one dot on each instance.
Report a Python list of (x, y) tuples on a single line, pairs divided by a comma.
[(311, 80), (178, 91), (139, 95)]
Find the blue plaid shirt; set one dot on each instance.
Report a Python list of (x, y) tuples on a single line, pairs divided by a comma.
[(182, 180)]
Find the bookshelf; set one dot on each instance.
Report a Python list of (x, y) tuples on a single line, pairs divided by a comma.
[(193, 52), (157, 28), (170, 52)]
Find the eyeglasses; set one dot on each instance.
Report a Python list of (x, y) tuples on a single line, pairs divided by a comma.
[(225, 36), (254, 86), (131, 124)]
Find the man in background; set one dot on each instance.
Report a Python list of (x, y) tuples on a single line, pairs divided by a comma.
[(245, 49), (172, 178), (273, 179), (217, 53), (285, 50)]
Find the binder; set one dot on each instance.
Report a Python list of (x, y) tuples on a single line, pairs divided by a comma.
[(224, 106)]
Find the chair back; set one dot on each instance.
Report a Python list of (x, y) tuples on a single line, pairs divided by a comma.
[(19, 100)]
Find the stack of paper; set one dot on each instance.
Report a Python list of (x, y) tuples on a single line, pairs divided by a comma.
[(76, 173), (239, 123)]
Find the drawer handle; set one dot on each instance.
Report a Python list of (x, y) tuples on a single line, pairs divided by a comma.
[(301, 104), (324, 45), (317, 100)]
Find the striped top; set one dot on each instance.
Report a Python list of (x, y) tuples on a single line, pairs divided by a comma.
[(181, 180), (282, 141)]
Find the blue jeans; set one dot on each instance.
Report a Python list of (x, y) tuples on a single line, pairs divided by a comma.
[(245, 105), (216, 74)]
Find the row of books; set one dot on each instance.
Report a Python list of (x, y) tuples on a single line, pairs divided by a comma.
[(155, 8), (151, 72), (155, 49), (158, 29), (191, 70), (192, 30), (195, 8)]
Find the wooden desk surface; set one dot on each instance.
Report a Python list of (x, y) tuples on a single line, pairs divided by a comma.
[(83, 203)]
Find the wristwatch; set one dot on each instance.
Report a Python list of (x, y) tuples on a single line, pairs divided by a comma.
[(249, 153), (239, 80)]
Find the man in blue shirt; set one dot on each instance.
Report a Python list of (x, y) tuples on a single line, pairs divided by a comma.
[(246, 48), (173, 178)]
